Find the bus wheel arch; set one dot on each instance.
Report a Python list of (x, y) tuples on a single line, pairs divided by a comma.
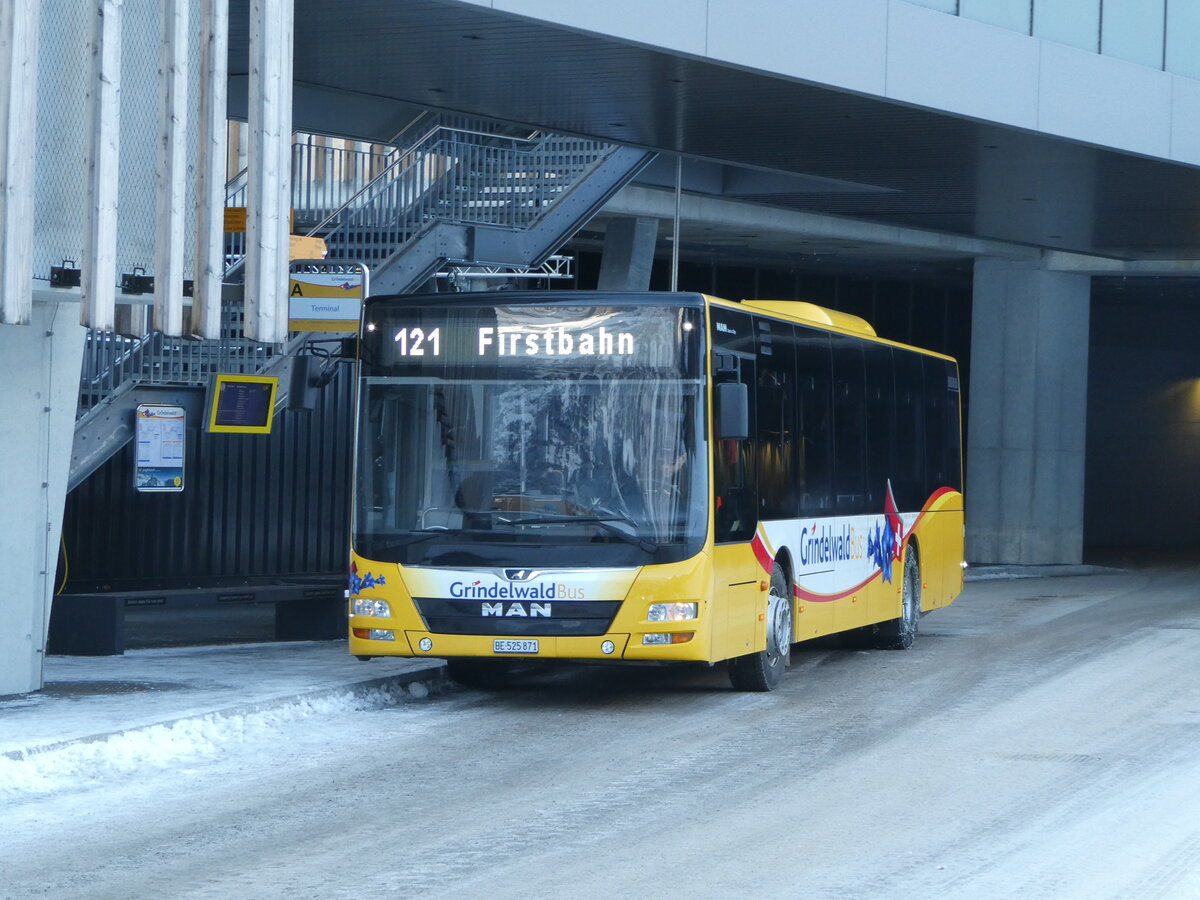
[(763, 670), (783, 561)]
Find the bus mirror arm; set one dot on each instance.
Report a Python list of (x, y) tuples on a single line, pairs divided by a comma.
[(732, 410)]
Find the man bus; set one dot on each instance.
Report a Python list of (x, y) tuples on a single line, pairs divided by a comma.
[(645, 477)]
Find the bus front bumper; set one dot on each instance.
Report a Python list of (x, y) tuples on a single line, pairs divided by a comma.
[(604, 646)]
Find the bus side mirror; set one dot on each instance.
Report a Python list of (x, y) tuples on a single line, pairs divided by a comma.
[(732, 410)]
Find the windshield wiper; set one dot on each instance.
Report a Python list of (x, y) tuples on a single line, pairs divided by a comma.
[(423, 534), (605, 522)]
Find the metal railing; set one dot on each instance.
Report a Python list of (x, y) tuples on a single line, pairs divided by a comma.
[(461, 177), (111, 360)]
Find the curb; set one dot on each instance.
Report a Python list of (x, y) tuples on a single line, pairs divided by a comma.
[(433, 678), (993, 573)]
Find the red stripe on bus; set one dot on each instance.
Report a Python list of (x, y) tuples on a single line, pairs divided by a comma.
[(761, 553)]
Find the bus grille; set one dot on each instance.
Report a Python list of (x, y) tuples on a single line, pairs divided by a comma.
[(567, 618)]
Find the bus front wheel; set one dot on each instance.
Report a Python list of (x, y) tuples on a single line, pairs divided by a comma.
[(762, 671)]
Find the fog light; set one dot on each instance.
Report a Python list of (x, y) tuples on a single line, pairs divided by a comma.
[(364, 606), (670, 637), (672, 612), (607, 647), (374, 634), (426, 644)]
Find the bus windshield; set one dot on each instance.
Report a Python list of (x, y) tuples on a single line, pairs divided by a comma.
[(531, 436)]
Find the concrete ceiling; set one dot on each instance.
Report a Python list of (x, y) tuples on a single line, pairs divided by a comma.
[(363, 67)]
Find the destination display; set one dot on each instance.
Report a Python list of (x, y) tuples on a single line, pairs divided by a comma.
[(602, 337)]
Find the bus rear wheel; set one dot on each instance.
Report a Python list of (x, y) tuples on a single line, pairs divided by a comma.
[(762, 671), (899, 633)]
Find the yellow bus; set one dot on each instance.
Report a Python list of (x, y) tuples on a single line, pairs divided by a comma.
[(657, 477)]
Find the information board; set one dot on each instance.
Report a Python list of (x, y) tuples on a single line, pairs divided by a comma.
[(242, 404), (161, 434)]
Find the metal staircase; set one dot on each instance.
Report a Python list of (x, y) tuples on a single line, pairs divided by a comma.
[(449, 192), (468, 197)]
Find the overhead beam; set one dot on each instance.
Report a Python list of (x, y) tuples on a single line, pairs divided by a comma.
[(1083, 264), (736, 215)]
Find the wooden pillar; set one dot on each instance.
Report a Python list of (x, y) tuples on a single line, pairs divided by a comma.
[(171, 171), (98, 279), (211, 163), (18, 124), (269, 170)]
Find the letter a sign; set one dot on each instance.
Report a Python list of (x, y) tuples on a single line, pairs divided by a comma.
[(325, 295)]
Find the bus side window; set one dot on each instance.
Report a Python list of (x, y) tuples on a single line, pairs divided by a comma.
[(908, 470), (735, 486), (942, 468), (777, 456), (881, 422), (814, 386), (849, 421)]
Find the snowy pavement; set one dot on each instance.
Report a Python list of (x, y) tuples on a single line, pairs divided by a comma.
[(95, 700), (97, 716)]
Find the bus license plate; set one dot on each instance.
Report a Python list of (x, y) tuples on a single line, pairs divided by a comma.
[(507, 646)]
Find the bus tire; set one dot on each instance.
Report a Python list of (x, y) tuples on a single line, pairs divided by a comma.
[(479, 672), (763, 671), (899, 633)]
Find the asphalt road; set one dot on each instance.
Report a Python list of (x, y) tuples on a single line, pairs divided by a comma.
[(1040, 740)]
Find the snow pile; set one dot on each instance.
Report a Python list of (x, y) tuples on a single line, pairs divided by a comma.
[(186, 740)]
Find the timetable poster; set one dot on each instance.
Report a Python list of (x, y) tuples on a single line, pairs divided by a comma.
[(160, 435)]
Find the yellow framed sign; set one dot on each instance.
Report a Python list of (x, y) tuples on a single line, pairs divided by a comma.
[(242, 404)]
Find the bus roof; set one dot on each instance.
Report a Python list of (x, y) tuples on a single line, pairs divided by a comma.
[(803, 313)]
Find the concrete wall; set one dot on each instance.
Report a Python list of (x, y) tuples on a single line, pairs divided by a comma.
[(39, 368), (911, 54)]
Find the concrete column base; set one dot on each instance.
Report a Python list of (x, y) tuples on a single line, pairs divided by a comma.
[(1028, 415), (39, 369)]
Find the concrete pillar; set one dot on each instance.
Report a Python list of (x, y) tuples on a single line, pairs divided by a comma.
[(628, 254), (1028, 395), (39, 368)]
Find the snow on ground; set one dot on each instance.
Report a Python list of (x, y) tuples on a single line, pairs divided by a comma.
[(103, 718), (205, 737)]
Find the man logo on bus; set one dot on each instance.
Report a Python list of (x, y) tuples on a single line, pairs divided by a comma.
[(515, 609)]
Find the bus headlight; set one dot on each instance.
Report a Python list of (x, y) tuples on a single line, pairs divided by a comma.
[(364, 606), (672, 612)]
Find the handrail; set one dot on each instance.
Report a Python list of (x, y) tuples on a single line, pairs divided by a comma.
[(417, 146)]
